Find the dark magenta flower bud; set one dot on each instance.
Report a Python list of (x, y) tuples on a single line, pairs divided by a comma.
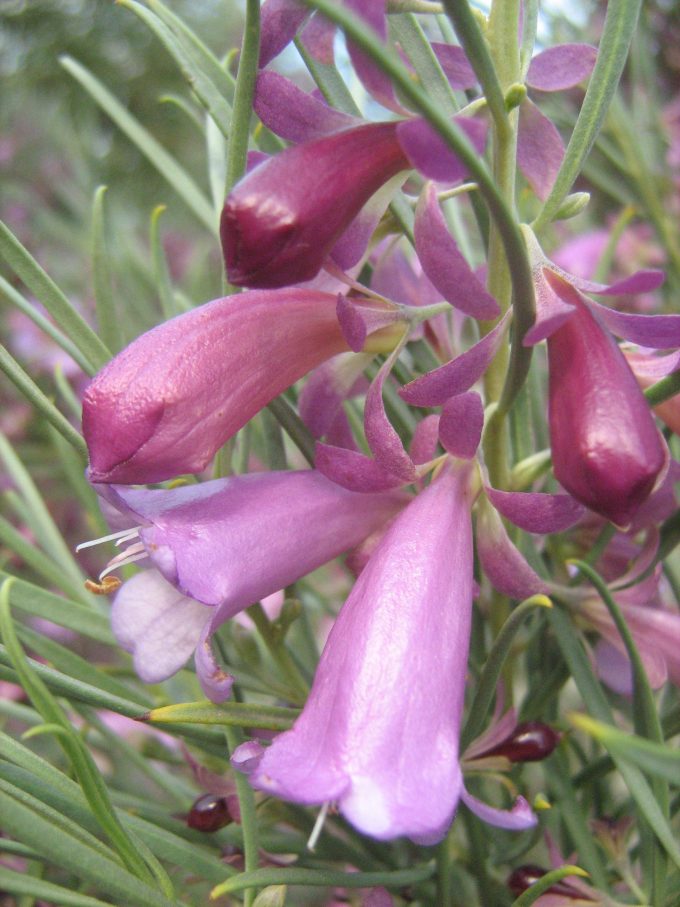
[(209, 813), (606, 449), (530, 741), (282, 220)]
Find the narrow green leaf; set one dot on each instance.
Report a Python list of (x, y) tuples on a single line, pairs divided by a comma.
[(93, 351), (246, 803), (243, 95), (156, 154), (406, 29), (37, 514), (488, 681), (24, 821), (192, 67), (656, 759), (329, 81), (81, 760), (42, 404), (619, 27), (19, 883), (291, 875), (533, 893), (107, 319), (663, 390), (236, 714), (45, 325), (62, 611), (161, 271)]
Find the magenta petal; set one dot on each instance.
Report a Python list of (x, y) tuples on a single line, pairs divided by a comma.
[(247, 756), (353, 243), (157, 624), (425, 439), (503, 564), (359, 318), (643, 281), (606, 449), (385, 443), (445, 265), (461, 424), (167, 403), (318, 36), (520, 817), (215, 683), (231, 542), (457, 376), (292, 113), (560, 67), (321, 398), (655, 331), (551, 311), (280, 222), (539, 149), (455, 64), (533, 512), (649, 366), (374, 79), (279, 23), (353, 470), (379, 731), (428, 152)]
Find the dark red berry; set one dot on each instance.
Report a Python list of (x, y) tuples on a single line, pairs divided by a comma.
[(525, 876), (529, 742), (209, 813)]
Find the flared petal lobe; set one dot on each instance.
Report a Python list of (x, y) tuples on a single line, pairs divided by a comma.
[(281, 221), (379, 732), (606, 449), (165, 404)]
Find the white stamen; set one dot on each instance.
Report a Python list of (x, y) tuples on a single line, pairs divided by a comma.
[(134, 553), (108, 538), (132, 534), (318, 825)]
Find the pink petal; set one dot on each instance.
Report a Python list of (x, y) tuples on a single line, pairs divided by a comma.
[(292, 113), (520, 817), (651, 367), (279, 22), (385, 443), (445, 265), (551, 310), (353, 470), (560, 67), (157, 624), (655, 331), (327, 387), (359, 318), (425, 439), (455, 64), (372, 77), (428, 152), (215, 682), (461, 424), (505, 567), (539, 149), (352, 245), (456, 376), (533, 512), (318, 36), (643, 281)]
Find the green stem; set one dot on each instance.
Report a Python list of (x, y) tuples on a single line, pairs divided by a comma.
[(246, 802), (243, 95), (279, 653)]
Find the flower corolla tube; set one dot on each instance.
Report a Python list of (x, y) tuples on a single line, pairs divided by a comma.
[(379, 732)]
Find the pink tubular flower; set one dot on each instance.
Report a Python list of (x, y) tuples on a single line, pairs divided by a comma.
[(220, 546), (166, 403), (606, 449), (281, 221), (379, 732)]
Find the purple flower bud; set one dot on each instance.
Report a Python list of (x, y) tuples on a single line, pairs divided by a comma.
[(167, 403), (282, 220), (606, 449), (530, 741)]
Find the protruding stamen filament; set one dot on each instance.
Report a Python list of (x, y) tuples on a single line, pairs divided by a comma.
[(318, 825), (129, 556), (123, 535)]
